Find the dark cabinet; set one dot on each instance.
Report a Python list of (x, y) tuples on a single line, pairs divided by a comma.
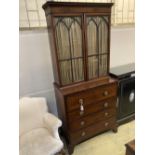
[(79, 36), (126, 91), (127, 97)]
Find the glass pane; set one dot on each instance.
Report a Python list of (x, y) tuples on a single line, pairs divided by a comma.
[(93, 67), (103, 65), (97, 34), (68, 37), (103, 37), (66, 72), (92, 38), (76, 40), (62, 41), (78, 73)]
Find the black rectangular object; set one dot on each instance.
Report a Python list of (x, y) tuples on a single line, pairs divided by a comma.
[(126, 91)]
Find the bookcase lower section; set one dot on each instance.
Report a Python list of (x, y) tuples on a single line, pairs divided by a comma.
[(87, 109)]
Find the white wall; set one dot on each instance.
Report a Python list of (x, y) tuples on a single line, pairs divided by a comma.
[(122, 46), (35, 71), (36, 74)]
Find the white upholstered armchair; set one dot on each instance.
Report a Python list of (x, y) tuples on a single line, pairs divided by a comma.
[(38, 129)]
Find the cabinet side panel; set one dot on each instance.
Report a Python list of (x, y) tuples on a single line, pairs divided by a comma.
[(109, 35), (61, 110)]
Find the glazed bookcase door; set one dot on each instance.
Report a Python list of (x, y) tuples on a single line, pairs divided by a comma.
[(97, 34), (68, 36)]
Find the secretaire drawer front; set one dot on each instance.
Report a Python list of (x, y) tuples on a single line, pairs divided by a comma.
[(92, 119), (90, 131), (89, 96), (92, 108)]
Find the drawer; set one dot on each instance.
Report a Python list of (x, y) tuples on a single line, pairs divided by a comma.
[(92, 119), (92, 95), (92, 108), (90, 131)]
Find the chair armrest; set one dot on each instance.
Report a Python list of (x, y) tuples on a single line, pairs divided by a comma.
[(52, 123)]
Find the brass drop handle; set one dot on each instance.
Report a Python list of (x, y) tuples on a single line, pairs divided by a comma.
[(83, 134), (105, 93), (82, 123), (81, 105), (106, 124), (106, 104), (106, 114)]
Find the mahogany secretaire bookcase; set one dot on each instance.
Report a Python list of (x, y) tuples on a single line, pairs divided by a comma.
[(79, 36)]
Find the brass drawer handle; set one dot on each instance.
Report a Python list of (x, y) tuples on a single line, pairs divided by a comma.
[(106, 124), (81, 106), (105, 93), (82, 123), (83, 134), (106, 114), (106, 104)]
